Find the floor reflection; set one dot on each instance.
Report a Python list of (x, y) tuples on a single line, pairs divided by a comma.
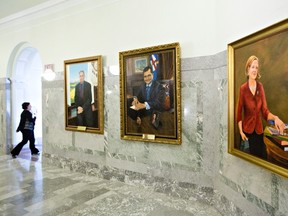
[(30, 188)]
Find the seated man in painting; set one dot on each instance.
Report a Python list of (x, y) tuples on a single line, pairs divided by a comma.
[(148, 101)]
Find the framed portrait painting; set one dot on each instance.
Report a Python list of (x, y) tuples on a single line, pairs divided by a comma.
[(84, 94), (258, 88), (150, 94)]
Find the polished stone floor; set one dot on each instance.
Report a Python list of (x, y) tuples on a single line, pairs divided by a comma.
[(28, 187)]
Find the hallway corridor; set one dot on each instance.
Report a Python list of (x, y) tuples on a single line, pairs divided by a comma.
[(28, 187)]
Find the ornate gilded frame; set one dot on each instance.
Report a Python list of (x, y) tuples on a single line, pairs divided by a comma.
[(166, 58), (270, 46), (92, 67)]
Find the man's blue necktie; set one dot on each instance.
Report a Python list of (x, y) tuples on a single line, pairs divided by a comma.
[(148, 92)]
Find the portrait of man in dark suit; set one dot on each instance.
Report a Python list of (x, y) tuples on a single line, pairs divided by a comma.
[(83, 100), (150, 94), (149, 100)]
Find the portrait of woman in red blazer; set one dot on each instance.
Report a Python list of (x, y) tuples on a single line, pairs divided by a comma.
[(252, 107)]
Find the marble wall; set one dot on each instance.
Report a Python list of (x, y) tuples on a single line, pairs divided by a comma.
[(199, 168), (5, 116)]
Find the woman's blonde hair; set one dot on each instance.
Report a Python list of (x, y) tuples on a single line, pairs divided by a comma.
[(248, 64)]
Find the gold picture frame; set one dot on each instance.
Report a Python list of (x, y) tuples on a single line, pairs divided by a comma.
[(270, 47), (84, 103), (157, 119)]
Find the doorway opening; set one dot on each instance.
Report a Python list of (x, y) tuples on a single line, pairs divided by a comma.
[(25, 66)]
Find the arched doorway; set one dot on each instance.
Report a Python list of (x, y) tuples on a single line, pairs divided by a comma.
[(25, 68)]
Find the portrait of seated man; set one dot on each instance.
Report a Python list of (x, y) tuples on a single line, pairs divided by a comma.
[(149, 100)]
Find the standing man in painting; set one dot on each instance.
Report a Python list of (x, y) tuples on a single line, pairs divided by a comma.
[(83, 99), (149, 100)]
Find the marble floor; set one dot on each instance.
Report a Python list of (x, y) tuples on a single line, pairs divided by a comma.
[(28, 187)]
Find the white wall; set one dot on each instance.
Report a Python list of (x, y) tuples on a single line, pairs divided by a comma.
[(237, 19), (105, 27)]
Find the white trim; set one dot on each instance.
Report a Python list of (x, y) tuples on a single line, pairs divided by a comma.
[(49, 7), (31, 10)]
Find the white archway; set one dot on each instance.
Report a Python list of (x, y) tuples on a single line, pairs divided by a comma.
[(24, 70)]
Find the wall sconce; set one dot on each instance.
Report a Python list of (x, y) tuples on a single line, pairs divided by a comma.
[(49, 73)]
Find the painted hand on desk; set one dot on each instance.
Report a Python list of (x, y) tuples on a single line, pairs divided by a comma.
[(280, 126)]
